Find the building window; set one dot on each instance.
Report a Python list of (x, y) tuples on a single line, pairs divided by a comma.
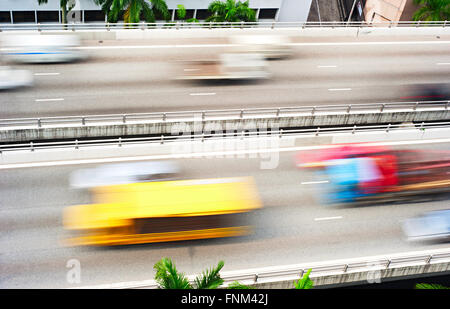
[(203, 14), (94, 16), (5, 17), (267, 13), (47, 16), (24, 17)]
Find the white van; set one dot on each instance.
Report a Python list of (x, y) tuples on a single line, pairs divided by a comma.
[(37, 48)]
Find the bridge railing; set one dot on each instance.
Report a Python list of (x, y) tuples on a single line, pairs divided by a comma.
[(200, 115), (196, 136), (212, 25)]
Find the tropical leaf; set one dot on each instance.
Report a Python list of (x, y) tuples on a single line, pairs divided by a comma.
[(168, 277), (305, 282), (210, 279), (430, 286), (237, 285)]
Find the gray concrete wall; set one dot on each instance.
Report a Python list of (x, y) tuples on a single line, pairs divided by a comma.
[(166, 127)]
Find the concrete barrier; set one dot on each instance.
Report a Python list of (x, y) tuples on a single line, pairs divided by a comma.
[(265, 147), (57, 132), (183, 33)]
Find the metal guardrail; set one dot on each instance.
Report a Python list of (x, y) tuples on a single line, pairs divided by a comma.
[(249, 113), (120, 141), (213, 25), (294, 272)]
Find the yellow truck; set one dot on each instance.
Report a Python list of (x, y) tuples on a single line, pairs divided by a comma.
[(163, 211)]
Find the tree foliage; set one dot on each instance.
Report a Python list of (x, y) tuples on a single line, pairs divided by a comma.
[(430, 286), (133, 10), (230, 11), (168, 277), (305, 282), (432, 10)]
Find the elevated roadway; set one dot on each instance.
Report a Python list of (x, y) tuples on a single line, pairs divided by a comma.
[(292, 228)]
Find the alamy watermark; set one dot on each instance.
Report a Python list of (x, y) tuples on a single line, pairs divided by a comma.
[(73, 275), (221, 140)]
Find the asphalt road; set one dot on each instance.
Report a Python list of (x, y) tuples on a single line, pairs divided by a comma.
[(141, 79), (291, 228)]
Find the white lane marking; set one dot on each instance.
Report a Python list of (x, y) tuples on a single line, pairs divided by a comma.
[(328, 218), (326, 66), (290, 44), (207, 154), (46, 74), (443, 63), (49, 100), (314, 182), (204, 93), (339, 89)]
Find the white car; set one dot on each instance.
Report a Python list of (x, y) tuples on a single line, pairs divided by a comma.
[(123, 173), (38, 48), (11, 78), (433, 225)]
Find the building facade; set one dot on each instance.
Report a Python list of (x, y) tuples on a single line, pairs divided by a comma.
[(28, 11)]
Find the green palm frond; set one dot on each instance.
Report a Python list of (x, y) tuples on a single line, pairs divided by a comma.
[(305, 282), (240, 286), (168, 277), (432, 10), (430, 286), (210, 279)]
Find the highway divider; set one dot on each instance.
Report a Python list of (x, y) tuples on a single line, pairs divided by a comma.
[(225, 121)]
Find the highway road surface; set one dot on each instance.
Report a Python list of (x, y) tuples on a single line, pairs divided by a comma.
[(292, 227), (133, 77)]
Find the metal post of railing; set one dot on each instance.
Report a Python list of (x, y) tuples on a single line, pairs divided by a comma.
[(349, 108), (382, 108), (39, 123), (415, 106), (124, 118), (76, 144), (83, 121), (242, 114), (73, 26), (301, 273), (203, 115), (162, 139), (278, 112), (256, 278), (387, 129), (429, 259), (446, 105), (210, 24), (354, 129), (120, 142), (281, 133), (107, 26), (345, 268), (388, 263), (313, 110), (318, 130), (39, 27), (164, 117), (31, 146)]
